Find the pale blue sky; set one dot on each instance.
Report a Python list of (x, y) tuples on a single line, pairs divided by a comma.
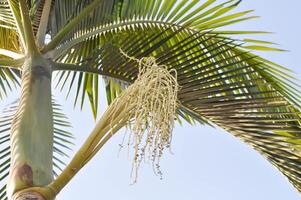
[(207, 164)]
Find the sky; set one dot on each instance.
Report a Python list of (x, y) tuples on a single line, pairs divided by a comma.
[(206, 163)]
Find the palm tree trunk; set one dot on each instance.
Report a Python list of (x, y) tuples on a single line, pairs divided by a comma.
[(32, 132)]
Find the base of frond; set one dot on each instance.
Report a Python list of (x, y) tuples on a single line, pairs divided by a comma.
[(28, 196)]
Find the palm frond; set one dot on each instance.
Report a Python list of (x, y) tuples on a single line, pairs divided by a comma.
[(8, 29), (6, 17), (9, 78), (254, 99), (119, 14), (62, 142), (35, 10), (221, 83), (132, 17)]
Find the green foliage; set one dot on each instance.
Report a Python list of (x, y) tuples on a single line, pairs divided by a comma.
[(83, 45), (222, 83), (8, 77)]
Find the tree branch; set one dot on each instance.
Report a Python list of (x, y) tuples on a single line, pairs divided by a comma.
[(101, 133), (62, 49), (10, 54), (73, 67), (73, 23), (43, 23), (78, 68), (16, 64), (28, 32)]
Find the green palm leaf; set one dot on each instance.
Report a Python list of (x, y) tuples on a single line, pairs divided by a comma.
[(221, 82), (117, 16), (9, 78)]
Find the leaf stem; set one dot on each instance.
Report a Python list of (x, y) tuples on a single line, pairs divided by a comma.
[(56, 66), (68, 28), (10, 54), (31, 46), (65, 47), (43, 23), (8, 63), (102, 132)]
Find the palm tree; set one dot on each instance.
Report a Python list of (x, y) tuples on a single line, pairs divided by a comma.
[(161, 59)]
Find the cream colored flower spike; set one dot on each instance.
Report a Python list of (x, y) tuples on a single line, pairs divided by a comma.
[(151, 103)]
